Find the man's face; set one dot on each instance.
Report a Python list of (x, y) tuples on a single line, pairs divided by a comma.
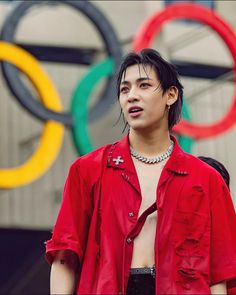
[(142, 100)]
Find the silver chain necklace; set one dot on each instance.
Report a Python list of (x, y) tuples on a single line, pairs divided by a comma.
[(154, 160)]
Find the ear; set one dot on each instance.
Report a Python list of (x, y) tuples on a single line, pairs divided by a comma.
[(172, 95)]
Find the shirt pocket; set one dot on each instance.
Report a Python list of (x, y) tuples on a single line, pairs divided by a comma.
[(190, 233)]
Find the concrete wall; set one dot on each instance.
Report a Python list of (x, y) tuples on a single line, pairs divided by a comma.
[(36, 205)]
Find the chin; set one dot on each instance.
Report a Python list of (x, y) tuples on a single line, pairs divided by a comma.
[(138, 126), (144, 127)]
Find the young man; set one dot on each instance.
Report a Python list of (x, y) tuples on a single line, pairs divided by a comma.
[(141, 216)]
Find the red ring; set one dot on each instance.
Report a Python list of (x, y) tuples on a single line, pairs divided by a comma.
[(204, 15)]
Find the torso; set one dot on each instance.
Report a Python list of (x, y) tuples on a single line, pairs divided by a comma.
[(148, 176)]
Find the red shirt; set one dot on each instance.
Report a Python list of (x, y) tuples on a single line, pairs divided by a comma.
[(195, 245)]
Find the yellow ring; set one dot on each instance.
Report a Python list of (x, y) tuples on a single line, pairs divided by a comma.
[(52, 135)]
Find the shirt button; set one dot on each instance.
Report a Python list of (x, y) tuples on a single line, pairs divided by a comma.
[(131, 214), (129, 241)]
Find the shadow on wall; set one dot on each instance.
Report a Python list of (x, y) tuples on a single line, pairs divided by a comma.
[(23, 268)]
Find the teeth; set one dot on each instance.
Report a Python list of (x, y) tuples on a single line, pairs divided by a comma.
[(135, 110)]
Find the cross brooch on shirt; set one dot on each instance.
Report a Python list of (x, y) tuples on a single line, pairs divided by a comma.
[(118, 160)]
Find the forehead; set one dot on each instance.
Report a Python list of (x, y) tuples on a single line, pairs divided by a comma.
[(134, 72)]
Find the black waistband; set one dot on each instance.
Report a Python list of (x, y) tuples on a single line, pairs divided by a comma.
[(143, 270)]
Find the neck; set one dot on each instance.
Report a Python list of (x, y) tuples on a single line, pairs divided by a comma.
[(149, 144)]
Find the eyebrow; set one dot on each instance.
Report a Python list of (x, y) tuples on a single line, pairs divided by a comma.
[(138, 80)]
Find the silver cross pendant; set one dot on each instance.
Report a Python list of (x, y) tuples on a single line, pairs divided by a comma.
[(118, 160)]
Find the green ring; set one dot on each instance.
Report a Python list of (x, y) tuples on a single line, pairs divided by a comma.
[(79, 105), (186, 142)]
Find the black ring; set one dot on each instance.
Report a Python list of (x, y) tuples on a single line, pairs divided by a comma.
[(24, 96)]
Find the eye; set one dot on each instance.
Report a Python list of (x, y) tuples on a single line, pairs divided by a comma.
[(145, 85), (124, 89)]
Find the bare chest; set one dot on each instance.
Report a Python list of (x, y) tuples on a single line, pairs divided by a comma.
[(148, 176)]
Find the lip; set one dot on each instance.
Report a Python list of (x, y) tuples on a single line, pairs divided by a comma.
[(134, 108), (136, 114)]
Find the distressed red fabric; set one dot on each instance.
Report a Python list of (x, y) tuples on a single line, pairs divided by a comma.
[(195, 236)]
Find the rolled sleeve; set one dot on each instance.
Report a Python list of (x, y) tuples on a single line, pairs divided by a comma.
[(72, 224), (223, 234)]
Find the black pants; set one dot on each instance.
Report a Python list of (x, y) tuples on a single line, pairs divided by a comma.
[(141, 284)]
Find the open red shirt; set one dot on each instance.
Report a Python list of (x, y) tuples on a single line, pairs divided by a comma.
[(195, 245)]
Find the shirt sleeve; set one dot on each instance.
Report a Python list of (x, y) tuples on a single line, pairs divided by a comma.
[(223, 234), (72, 224)]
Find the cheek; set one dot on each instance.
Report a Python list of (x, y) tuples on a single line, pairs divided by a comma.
[(158, 105), (155, 106), (156, 110)]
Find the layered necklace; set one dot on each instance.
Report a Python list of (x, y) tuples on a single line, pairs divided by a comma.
[(153, 160)]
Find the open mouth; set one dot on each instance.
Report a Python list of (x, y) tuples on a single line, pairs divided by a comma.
[(135, 110)]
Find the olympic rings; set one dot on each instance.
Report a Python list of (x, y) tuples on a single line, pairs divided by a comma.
[(199, 13), (52, 136), (23, 95), (79, 102)]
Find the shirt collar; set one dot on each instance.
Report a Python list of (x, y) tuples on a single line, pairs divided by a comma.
[(178, 161), (119, 157)]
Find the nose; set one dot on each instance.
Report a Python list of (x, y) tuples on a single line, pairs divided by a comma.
[(133, 96)]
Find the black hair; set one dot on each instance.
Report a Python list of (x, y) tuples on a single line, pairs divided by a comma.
[(218, 166), (166, 74)]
